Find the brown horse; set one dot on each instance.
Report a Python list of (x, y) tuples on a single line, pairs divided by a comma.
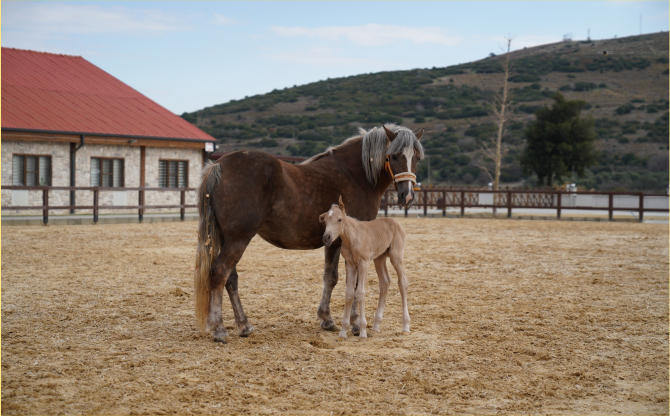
[(248, 192)]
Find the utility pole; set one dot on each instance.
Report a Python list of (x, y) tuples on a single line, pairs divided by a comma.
[(588, 34), (640, 24)]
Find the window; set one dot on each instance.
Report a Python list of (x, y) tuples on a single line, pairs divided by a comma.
[(173, 173), (106, 172), (31, 170)]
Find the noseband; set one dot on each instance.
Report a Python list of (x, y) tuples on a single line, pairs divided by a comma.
[(400, 177)]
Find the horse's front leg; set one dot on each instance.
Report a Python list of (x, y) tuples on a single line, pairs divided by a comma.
[(329, 281), (360, 297), (352, 274)]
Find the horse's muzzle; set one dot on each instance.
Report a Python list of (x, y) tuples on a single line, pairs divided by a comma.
[(327, 240)]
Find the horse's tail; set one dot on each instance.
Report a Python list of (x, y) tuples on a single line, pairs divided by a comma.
[(209, 242)]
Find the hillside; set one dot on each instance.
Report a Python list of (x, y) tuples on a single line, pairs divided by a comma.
[(626, 93)]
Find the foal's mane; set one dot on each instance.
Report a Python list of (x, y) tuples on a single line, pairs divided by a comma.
[(376, 147)]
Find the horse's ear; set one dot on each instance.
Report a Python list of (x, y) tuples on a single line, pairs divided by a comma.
[(341, 204), (322, 217), (419, 134), (391, 135)]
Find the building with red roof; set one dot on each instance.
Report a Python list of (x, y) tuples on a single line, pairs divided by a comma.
[(66, 122)]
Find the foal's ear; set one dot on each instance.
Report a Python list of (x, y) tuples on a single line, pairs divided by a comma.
[(391, 135), (419, 134), (341, 204), (322, 217)]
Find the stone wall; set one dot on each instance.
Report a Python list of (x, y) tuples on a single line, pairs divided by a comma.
[(60, 161)]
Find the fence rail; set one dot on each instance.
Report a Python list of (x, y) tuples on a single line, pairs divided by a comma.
[(520, 199), (96, 207), (440, 198)]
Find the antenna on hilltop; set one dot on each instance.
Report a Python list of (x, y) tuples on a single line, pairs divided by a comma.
[(588, 34), (640, 24)]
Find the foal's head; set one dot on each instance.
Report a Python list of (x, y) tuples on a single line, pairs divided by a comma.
[(334, 220)]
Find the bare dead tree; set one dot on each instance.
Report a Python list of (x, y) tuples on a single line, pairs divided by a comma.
[(491, 151)]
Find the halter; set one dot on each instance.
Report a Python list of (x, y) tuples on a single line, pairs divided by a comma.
[(403, 176)]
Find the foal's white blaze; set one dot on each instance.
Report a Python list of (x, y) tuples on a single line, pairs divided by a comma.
[(330, 214)]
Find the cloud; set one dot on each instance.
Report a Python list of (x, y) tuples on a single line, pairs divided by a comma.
[(61, 18), (221, 20), (323, 56), (372, 34)]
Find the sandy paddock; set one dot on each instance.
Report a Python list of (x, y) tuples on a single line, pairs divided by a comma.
[(507, 317)]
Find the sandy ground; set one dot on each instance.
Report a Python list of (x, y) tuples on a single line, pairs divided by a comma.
[(507, 317)]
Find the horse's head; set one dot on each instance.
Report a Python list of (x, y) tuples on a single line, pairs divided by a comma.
[(403, 153), (334, 220)]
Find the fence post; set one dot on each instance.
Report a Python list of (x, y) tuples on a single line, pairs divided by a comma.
[(425, 202), (641, 206), (462, 204), (182, 210), (45, 206), (509, 204), (95, 205), (558, 205), (611, 205), (386, 203), (444, 203), (140, 211)]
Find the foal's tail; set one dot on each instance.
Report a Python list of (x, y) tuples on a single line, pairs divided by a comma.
[(209, 242)]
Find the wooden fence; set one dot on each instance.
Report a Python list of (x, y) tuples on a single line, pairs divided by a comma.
[(510, 199), (96, 207), (424, 198)]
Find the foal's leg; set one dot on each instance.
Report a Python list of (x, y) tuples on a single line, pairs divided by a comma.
[(352, 273), (384, 280), (222, 267), (244, 328), (329, 281), (396, 260), (360, 297)]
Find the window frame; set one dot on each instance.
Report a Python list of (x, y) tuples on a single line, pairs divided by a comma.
[(37, 165), (167, 173), (123, 171)]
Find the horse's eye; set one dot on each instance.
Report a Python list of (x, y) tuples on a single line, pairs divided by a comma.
[(340, 220), (395, 157)]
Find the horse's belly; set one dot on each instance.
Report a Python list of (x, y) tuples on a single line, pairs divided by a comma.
[(289, 239)]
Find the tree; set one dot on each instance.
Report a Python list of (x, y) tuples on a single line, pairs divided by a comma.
[(491, 150), (559, 141)]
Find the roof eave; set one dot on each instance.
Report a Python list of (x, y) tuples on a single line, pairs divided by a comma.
[(18, 130)]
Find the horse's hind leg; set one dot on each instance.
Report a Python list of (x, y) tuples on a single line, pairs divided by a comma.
[(222, 267), (329, 281), (244, 328), (384, 280)]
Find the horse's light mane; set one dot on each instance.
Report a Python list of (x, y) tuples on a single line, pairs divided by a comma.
[(376, 147)]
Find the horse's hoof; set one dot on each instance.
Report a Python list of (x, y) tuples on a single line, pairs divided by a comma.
[(246, 331), (221, 336), (328, 325), (356, 330)]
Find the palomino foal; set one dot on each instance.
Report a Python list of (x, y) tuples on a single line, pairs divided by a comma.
[(362, 242)]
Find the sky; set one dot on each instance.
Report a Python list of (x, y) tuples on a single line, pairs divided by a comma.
[(190, 55)]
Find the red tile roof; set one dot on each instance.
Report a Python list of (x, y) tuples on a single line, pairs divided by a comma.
[(44, 91)]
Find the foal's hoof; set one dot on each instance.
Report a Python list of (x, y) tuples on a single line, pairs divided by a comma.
[(356, 330), (246, 331), (329, 325), (221, 336)]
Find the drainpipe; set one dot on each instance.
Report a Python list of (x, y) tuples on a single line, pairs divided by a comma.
[(73, 168)]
